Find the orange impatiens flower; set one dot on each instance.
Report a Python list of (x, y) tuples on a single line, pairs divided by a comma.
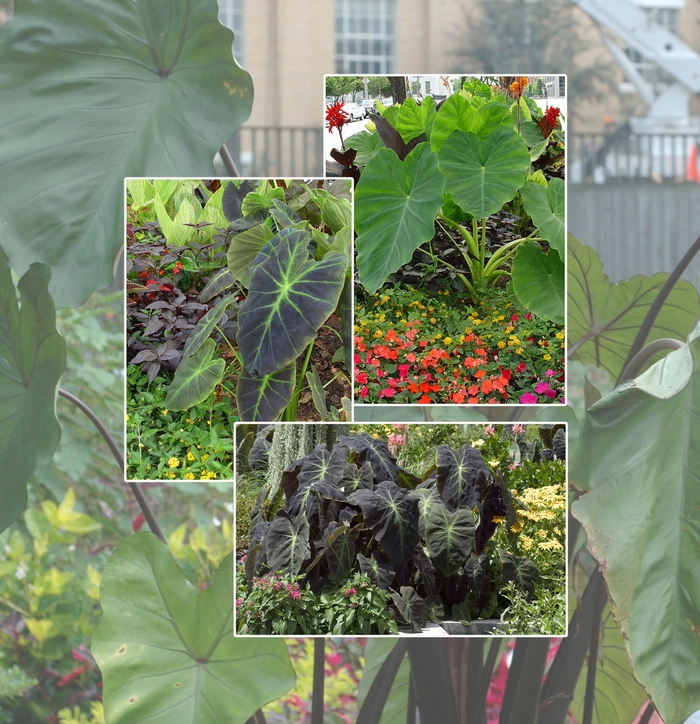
[(425, 400), (458, 397), (479, 374), (486, 387)]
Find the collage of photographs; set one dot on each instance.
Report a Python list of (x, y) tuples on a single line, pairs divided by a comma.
[(341, 404)]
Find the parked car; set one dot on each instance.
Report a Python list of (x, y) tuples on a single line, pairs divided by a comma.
[(370, 106), (355, 111)]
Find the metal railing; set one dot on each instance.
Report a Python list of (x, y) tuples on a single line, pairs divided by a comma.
[(285, 152), (626, 156)]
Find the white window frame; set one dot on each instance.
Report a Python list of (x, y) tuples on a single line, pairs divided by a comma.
[(361, 26)]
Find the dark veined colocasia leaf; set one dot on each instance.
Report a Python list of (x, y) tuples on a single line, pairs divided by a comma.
[(103, 90), (412, 607), (521, 571), (32, 360), (376, 452), (290, 297), (395, 206), (196, 378), (163, 647), (261, 399), (449, 537), (378, 569), (638, 455), (457, 473), (392, 516), (287, 543), (476, 573)]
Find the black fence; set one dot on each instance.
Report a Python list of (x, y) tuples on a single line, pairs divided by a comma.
[(262, 151), (626, 156)]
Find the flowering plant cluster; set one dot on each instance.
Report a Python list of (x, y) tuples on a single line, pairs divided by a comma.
[(414, 350), (286, 605)]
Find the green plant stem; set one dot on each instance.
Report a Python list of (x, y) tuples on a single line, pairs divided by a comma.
[(135, 489), (635, 365), (318, 681), (459, 275), (226, 339), (659, 301), (290, 412), (11, 605)]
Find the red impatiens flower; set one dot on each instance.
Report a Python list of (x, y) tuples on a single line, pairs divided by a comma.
[(548, 121)]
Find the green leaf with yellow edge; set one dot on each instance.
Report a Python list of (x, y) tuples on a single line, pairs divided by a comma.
[(32, 360), (164, 647), (603, 318), (102, 91), (65, 518), (638, 455)]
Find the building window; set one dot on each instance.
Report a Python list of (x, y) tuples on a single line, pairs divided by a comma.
[(231, 15), (364, 35)]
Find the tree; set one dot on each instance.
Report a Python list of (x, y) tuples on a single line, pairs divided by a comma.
[(532, 38), (378, 86), (339, 86), (398, 88)]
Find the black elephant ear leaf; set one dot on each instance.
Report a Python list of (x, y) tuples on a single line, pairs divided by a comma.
[(262, 399), (321, 466), (289, 298), (233, 198), (521, 571), (457, 474), (411, 606), (287, 543), (354, 478), (377, 452), (344, 158), (392, 516), (390, 136), (426, 497), (340, 549), (476, 572), (426, 570), (253, 561), (377, 568), (449, 537), (493, 510), (283, 214), (289, 482)]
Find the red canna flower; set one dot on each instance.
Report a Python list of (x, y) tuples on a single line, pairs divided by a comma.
[(548, 121), (336, 116)]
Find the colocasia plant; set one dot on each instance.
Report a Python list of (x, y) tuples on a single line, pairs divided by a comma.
[(285, 271), (451, 166), (426, 540)]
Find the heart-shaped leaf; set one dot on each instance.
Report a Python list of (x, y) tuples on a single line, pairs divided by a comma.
[(603, 318), (367, 144), (395, 207), (205, 326), (638, 455), (243, 249), (376, 451), (459, 113), (32, 360), (289, 298), (538, 281), (377, 568), (164, 647), (261, 399), (287, 543), (101, 91), (546, 207), (195, 378), (483, 175), (457, 474), (521, 571), (449, 537), (414, 119)]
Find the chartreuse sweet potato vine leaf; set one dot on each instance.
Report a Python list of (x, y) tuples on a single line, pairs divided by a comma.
[(483, 175), (395, 206), (290, 297), (609, 315), (103, 90), (32, 360), (639, 456), (163, 647)]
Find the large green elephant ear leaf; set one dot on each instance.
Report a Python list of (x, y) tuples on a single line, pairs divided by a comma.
[(638, 455), (32, 360), (546, 207), (103, 90), (289, 298), (481, 175), (395, 207), (538, 281), (603, 318), (164, 647)]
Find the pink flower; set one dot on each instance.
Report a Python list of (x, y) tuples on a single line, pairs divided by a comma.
[(489, 430), (294, 595), (514, 318), (550, 373), (541, 388), (239, 603), (387, 392), (528, 316), (403, 371), (364, 391), (550, 393), (361, 379), (350, 592), (528, 399), (518, 429)]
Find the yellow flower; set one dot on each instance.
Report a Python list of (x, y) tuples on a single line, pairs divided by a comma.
[(165, 412), (128, 417), (498, 519), (516, 527), (188, 421), (526, 542), (477, 322), (550, 545), (501, 344), (431, 309), (173, 463), (519, 350), (509, 329), (547, 357), (448, 340), (190, 456), (378, 334), (433, 320), (170, 475), (189, 476), (559, 335)]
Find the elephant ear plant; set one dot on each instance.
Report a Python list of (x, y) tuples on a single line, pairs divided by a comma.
[(452, 167), (428, 542), (289, 252)]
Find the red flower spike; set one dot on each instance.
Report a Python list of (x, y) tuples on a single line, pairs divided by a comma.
[(336, 116), (548, 121)]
